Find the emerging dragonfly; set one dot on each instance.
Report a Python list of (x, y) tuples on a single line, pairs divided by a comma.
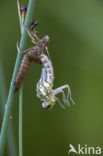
[(45, 84)]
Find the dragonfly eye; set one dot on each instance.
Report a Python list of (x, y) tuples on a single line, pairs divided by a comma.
[(48, 105), (45, 105)]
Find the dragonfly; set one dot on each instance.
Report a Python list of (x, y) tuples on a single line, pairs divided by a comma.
[(44, 88)]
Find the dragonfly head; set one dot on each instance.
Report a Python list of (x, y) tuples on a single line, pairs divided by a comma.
[(49, 104)]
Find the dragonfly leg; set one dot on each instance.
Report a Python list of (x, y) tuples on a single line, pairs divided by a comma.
[(60, 90), (57, 99), (22, 52), (30, 35)]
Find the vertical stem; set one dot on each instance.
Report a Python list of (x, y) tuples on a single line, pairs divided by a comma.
[(20, 98), (21, 121), (10, 98), (11, 145)]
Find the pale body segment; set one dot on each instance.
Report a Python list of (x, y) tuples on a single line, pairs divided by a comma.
[(45, 84)]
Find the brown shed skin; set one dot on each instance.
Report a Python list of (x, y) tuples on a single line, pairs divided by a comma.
[(32, 55)]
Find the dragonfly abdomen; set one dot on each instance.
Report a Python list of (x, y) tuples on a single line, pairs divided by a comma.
[(45, 83)]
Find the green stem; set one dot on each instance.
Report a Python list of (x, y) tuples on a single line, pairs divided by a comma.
[(21, 121), (11, 91), (11, 145), (20, 100), (18, 6)]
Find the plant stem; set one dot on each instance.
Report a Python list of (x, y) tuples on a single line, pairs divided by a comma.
[(11, 91), (21, 121), (11, 145), (20, 98)]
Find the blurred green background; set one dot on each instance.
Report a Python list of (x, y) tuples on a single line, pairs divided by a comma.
[(76, 49)]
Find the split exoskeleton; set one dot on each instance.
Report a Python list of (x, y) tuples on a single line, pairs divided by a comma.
[(31, 54), (44, 86)]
